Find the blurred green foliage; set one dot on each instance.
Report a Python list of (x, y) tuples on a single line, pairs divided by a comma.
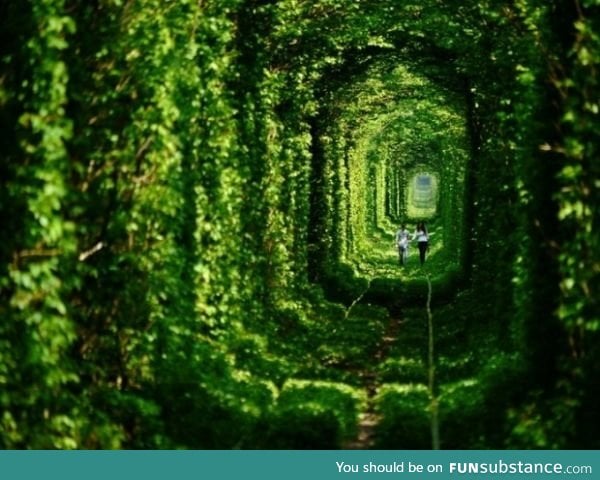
[(313, 414), (405, 412)]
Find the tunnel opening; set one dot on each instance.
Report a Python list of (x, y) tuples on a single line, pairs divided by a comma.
[(397, 149)]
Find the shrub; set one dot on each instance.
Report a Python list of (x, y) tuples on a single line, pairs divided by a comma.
[(403, 370), (405, 417), (252, 353), (341, 284), (303, 426), (313, 415), (462, 403), (217, 407), (354, 340)]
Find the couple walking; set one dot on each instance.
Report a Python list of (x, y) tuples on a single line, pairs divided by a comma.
[(403, 238)]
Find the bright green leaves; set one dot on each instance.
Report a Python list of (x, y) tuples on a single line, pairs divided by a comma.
[(525, 76), (578, 196), (38, 324)]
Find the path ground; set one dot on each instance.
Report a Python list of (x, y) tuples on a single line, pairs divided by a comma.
[(369, 419)]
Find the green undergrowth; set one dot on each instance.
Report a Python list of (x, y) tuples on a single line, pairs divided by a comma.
[(324, 341), (301, 384), (346, 286), (474, 379), (293, 384), (405, 418), (313, 414), (302, 381)]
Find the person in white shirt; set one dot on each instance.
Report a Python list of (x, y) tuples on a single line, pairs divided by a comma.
[(402, 239), (422, 238)]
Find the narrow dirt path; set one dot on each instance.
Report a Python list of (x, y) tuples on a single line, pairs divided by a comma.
[(369, 419)]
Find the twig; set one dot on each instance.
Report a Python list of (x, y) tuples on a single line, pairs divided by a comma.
[(358, 299), (37, 252), (88, 253)]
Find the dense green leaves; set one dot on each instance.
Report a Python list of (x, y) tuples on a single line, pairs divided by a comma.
[(182, 182)]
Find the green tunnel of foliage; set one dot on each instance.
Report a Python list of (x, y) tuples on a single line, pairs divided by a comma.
[(188, 188), (385, 130)]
